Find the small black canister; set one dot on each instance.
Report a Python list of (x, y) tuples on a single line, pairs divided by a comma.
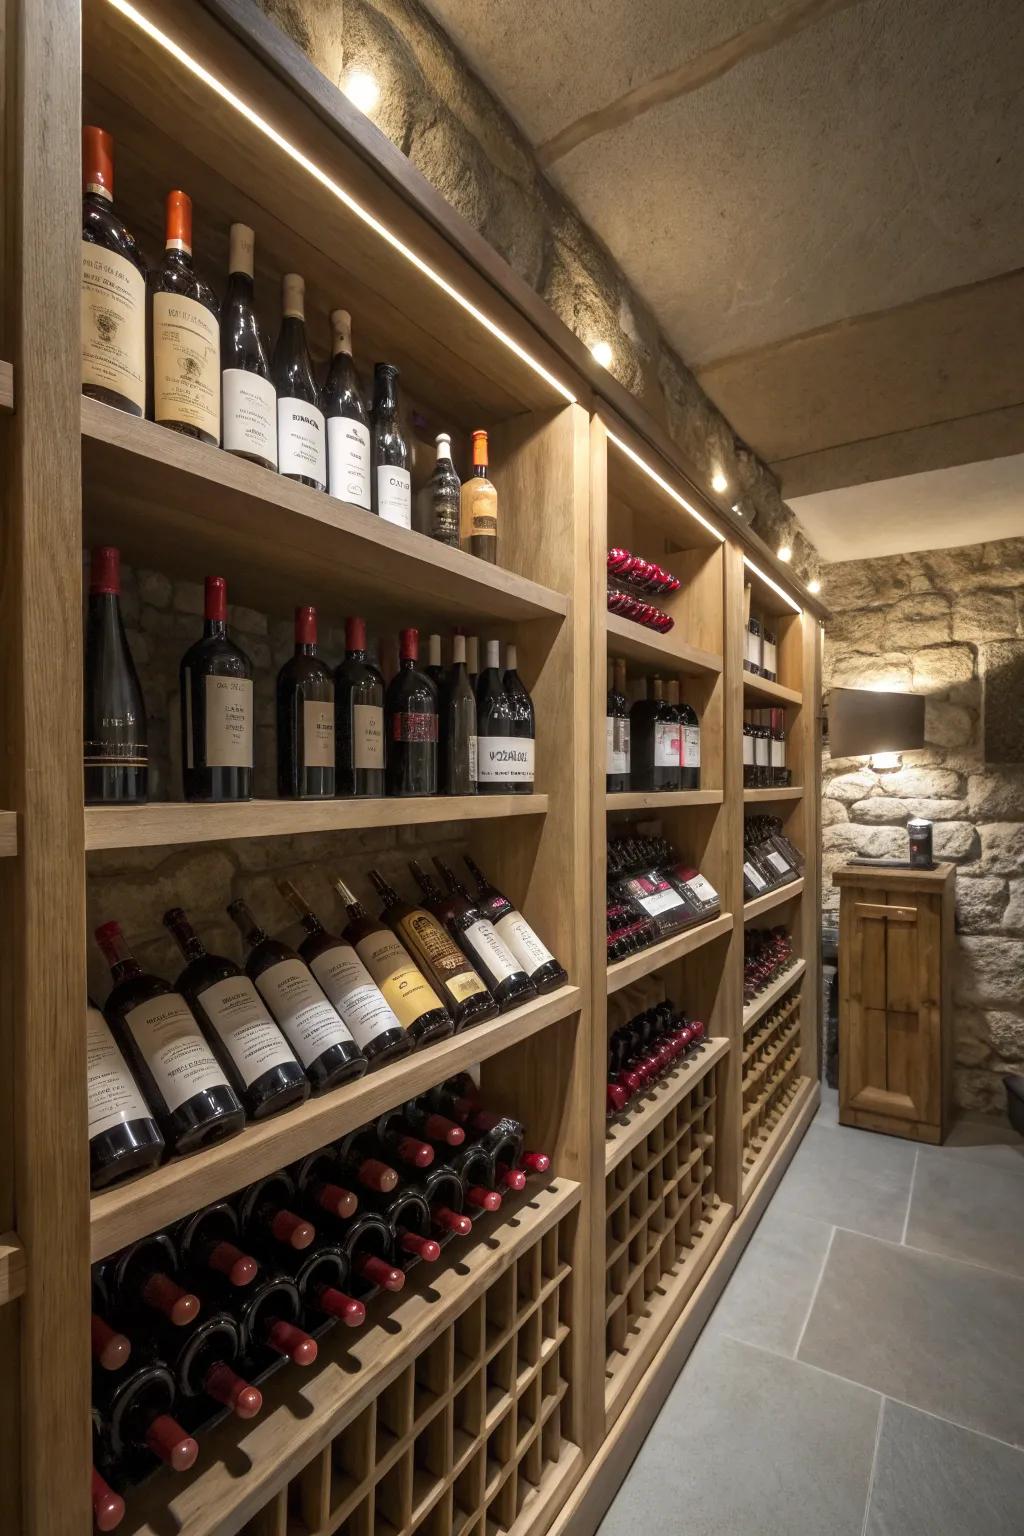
[(920, 832)]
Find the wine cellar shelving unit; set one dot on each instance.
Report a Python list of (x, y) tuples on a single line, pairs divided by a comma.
[(510, 1392)]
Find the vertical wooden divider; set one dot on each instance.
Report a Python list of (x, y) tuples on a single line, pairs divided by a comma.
[(731, 1112), (810, 1035)]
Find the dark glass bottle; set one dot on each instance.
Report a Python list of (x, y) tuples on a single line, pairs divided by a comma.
[(473, 1167), (411, 724), (405, 988), (115, 734), (142, 1282), (108, 1507), (617, 733), (420, 1116), (496, 727), (248, 398), (316, 1180), (136, 1410), (368, 1244), (671, 716), (183, 1082), (358, 719), (305, 718), (123, 1135), (348, 435), (521, 771), (515, 932), (312, 1027), (458, 726), (466, 996), (322, 1279), (762, 751), (749, 767), (392, 482), (473, 661), (509, 983), (113, 288), (433, 668), (654, 755), (439, 498), (442, 1189), (185, 330), (301, 431), (780, 774), (268, 1325), (398, 1143), (257, 1059), (360, 1164), (352, 991), (111, 1349), (408, 1215), (689, 725), (208, 1244), (203, 1367), (479, 507), (269, 1220), (216, 708)]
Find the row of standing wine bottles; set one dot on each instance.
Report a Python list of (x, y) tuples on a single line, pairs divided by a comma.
[(176, 1067), (764, 749), (653, 745), (208, 374), (339, 733)]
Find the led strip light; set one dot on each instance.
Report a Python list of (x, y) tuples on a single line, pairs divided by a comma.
[(653, 475), (773, 584)]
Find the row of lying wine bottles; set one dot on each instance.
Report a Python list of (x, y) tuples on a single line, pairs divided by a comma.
[(767, 954), (653, 744), (644, 1049), (455, 732), (652, 894), (207, 372), (186, 1323), (176, 1067)]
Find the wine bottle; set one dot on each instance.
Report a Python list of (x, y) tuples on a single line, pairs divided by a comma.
[(442, 1189), (497, 752), (268, 1218), (136, 1410), (208, 1243), (479, 525), (397, 1142), (316, 1180), (184, 1084), (268, 1325), (257, 1059), (672, 717), (473, 661), (301, 432), (617, 733), (521, 772), (439, 498), (358, 719), (411, 724), (403, 985), (779, 771), (421, 1117), (111, 1349), (113, 288), (690, 746), (509, 983), (311, 1026), (762, 752), (359, 1163), (123, 1135), (466, 996), (368, 1244), (142, 1283), (654, 754), (473, 1167), (434, 669), (216, 707), (248, 399), (321, 1279), (392, 482), (186, 334), (203, 1368), (458, 727), (108, 1507), (348, 435), (115, 749), (305, 718), (769, 655), (515, 932), (408, 1215), (352, 991), (749, 769)]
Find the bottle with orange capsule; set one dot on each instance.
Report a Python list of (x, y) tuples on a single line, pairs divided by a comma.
[(478, 533), (185, 330)]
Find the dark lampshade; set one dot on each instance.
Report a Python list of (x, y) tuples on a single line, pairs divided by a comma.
[(861, 721)]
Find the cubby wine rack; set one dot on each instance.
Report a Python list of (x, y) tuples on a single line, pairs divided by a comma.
[(772, 1075)]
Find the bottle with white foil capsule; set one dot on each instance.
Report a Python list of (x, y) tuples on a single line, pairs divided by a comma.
[(392, 481), (348, 432), (248, 398), (301, 431)]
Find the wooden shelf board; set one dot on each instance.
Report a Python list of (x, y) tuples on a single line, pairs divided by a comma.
[(154, 1200), (623, 972), (760, 689), (12, 1267), (669, 652), (644, 800), (242, 1466), (641, 1118), (767, 796), (770, 899), (776, 1136), (6, 388), (172, 502), (775, 989), (164, 823), (8, 834)]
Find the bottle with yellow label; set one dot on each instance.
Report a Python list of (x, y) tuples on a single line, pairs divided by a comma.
[(479, 530), (186, 335), (465, 994), (406, 990)]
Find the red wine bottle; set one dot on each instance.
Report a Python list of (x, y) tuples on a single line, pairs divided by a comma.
[(111, 1349), (368, 1244), (319, 1182), (442, 1189), (521, 773), (322, 1278), (143, 1279), (107, 1506), (248, 398), (204, 1372), (408, 1214), (398, 1144), (501, 969), (268, 1322), (358, 719), (311, 1025), (115, 751), (208, 1242), (266, 1211), (136, 1410), (465, 994), (185, 332), (497, 751), (512, 928), (305, 718), (216, 708), (113, 288), (473, 1167), (348, 435), (185, 1085), (420, 1117), (123, 1135), (257, 1059), (359, 1164), (404, 987), (458, 726), (301, 433), (411, 724), (392, 483)]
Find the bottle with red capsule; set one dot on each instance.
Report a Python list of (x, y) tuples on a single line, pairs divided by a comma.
[(136, 1409), (409, 1217), (398, 1143), (361, 1167), (421, 1117), (368, 1244), (616, 1100), (473, 1166), (110, 1348), (269, 1220), (143, 1280), (268, 1314), (209, 1240), (107, 1505), (321, 1186), (442, 1189), (323, 1281), (515, 1174), (204, 1371)]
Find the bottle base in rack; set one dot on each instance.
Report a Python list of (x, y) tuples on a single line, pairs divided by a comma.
[(340, 1064), (380, 1052), (281, 1093), (186, 429), (125, 1149), (224, 787), (116, 786), (429, 1029), (217, 1116)]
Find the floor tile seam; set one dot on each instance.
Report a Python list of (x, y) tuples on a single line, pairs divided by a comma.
[(874, 1469), (928, 1253), (814, 1293), (910, 1196)]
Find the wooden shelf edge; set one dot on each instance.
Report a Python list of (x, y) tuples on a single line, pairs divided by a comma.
[(6, 388), (644, 644), (120, 1215), (163, 824), (623, 972), (643, 800), (623, 1136), (763, 688), (766, 796), (775, 1138), (13, 1267), (765, 903), (753, 1011), (8, 834)]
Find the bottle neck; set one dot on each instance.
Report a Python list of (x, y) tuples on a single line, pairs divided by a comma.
[(252, 933), (387, 895), (215, 629), (184, 935)]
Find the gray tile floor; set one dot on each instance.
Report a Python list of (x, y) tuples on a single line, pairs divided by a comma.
[(863, 1372)]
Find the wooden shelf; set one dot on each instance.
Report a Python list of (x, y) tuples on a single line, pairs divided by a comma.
[(12, 1267), (163, 824), (771, 994), (669, 652), (778, 1133), (644, 800), (131, 1210), (641, 1117), (6, 388), (767, 796), (8, 834), (760, 691), (770, 899), (623, 972)]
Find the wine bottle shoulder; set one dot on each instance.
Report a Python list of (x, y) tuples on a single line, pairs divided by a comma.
[(217, 656), (101, 226), (313, 676)]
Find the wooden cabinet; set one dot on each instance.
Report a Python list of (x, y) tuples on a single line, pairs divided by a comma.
[(895, 956)]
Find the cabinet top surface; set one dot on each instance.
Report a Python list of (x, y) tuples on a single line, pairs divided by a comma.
[(880, 875)]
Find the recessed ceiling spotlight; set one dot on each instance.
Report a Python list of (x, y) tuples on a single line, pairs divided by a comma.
[(718, 482), (814, 586), (785, 552), (602, 353), (362, 90)]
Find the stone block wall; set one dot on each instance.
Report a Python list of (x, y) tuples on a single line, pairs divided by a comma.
[(948, 624)]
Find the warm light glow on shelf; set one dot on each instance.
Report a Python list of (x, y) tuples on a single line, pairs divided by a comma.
[(785, 553), (814, 586), (773, 584), (886, 760), (362, 90), (602, 353), (719, 484), (319, 174), (652, 474)]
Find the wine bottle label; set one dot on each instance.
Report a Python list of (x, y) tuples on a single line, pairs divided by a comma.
[(760, 752), (479, 510), (754, 648), (779, 864), (432, 944), (317, 733), (228, 722), (113, 323), (114, 1096), (120, 750), (748, 751), (702, 889), (394, 495), (353, 993), (473, 758), (660, 901), (413, 725), (691, 746), (405, 989), (310, 1023), (172, 1045), (504, 758), (751, 874), (616, 744), (348, 461), (186, 363), (491, 951), (515, 932), (250, 414), (367, 736), (778, 754), (666, 745), (301, 439), (245, 1028), (768, 650)]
